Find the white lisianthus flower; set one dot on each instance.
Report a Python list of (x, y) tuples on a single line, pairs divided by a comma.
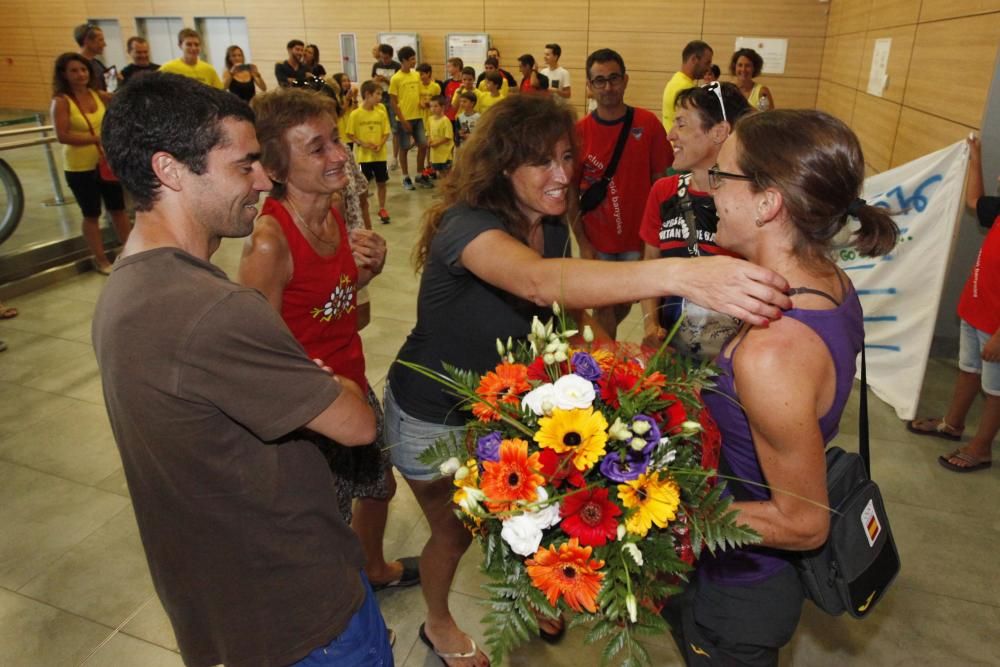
[(555, 308), (450, 467), (559, 356), (461, 473), (536, 399), (573, 392), (619, 431), (621, 531), (524, 532), (637, 444), (640, 427), (632, 607), (588, 334), (690, 427), (632, 550), (500, 348), (548, 358)]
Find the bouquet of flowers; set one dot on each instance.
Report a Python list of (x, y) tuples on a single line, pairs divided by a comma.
[(587, 476)]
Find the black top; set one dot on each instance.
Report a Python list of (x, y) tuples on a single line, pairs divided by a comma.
[(460, 317), (319, 71), (132, 70), (97, 69), (511, 83), (987, 210), (288, 76), (245, 90)]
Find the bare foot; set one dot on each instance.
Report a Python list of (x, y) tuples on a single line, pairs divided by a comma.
[(454, 647)]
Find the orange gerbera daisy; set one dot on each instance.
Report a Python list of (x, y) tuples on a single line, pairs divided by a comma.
[(503, 385), (516, 476), (567, 572)]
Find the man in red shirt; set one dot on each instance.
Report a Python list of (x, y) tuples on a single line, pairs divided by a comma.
[(611, 230), (979, 342)]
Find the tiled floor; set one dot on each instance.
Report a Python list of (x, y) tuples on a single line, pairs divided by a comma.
[(74, 588)]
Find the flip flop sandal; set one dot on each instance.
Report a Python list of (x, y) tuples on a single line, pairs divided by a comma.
[(410, 576), (7, 312), (471, 653), (974, 464), (553, 637), (939, 431)]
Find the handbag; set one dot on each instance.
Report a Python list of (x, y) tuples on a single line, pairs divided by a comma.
[(592, 197), (702, 332), (103, 168), (858, 563)]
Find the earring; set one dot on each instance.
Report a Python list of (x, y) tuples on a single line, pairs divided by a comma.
[(757, 221)]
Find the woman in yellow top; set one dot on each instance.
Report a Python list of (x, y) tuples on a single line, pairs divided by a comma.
[(745, 65), (74, 94)]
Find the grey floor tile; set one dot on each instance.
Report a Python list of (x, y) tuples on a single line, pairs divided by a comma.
[(33, 633), (151, 624), (77, 378), (32, 355), (104, 578), (115, 483), (22, 408), (43, 517), (124, 651)]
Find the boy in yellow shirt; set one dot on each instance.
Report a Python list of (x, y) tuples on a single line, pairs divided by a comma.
[(429, 89), (368, 128), (404, 95), (468, 86), (492, 81), (442, 137)]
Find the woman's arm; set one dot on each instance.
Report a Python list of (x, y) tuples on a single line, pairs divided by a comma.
[(766, 92), (725, 284), (59, 110), (785, 380), (653, 333), (258, 79), (368, 249), (974, 185), (227, 78), (266, 264)]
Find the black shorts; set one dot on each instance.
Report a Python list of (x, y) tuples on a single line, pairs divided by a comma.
[(89, 190), (716, 624), (375, 170)]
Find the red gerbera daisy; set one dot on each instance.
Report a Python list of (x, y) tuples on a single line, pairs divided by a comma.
[(559, 468), (504, 385), (589, 516)]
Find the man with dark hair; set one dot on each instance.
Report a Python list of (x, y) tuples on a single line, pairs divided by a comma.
[(610, 230), (558, 76), (211, 401), (696, 59), (532, 81), (90, 38), (382, 70), (190, 64), (138, 51), (292, 71), (493, 61)]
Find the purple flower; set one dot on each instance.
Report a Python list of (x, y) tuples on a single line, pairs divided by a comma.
[(618, 470), (584, 365), (488, 447), (652, 436)]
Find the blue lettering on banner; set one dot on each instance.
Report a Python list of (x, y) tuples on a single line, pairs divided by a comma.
[(918, 201)]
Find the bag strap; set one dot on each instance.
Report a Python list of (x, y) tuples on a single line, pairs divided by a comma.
[(90, 127), (863, 444), (620, 146), (687, 208)]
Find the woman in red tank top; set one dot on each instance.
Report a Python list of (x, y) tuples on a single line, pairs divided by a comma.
[(303, 260)]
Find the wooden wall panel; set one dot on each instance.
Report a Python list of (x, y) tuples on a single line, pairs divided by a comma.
[(788, 18), (935, 10), (648, 51), (645, 89), (875, 122), (119, 8), (891, 13), (920, 133), (442, 15), (842, 59), (682, 17), (18, 41), (942, 73), (191, 8), (899, 60), (513, 43), (804, 59), (554, 17), (836, 100), (855, 16), (261, 14), (790, 92), (343, 15)]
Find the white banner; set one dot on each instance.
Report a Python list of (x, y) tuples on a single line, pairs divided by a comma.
[(901, 292)]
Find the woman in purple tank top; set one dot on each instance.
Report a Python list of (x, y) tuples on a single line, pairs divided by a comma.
[(785, 184)]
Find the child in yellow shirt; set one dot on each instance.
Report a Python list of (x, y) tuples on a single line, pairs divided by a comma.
[(468, 86), (429, 89), (368, 129), (492, 81), (441, 137)]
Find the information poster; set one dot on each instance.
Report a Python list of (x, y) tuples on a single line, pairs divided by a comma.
[(774, 52), (471, 48), (878, 77), (398, 40)]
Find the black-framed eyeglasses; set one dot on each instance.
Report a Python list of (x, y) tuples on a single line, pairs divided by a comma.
[(716, 87), (600, 82), (716, 176)]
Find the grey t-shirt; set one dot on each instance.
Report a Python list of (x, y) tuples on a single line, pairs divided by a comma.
[(206, 390)]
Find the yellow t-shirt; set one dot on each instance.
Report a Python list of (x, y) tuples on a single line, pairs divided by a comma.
[(486, 101), (678, 82), (83, 158), (427, 93), (438, 128), (457, 93), (200, 71), (406, 88), (370, 127), (504, 87)]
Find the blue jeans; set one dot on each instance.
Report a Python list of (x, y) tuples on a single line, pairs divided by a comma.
[(364, 643)]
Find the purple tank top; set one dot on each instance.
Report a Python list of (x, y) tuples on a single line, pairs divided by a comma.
[(842, 330)]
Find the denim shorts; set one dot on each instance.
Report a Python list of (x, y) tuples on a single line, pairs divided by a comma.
[(415, 135), (628, 256), (364, 643), (970, 358), (407, 437)]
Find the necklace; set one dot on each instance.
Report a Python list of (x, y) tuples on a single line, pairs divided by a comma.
[(302, 224)]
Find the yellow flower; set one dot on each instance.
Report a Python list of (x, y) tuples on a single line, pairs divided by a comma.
[(653, 500), (470, 480), (581, 432)]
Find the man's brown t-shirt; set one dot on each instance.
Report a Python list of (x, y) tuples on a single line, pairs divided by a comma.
[(206, 390)]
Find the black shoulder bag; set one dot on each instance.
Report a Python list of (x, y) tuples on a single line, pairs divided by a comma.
[(859, 561), (592, 197)]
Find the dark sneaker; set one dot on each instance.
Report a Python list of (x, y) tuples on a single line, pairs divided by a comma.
[(383, 215), (408, 184), (424, 182)]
